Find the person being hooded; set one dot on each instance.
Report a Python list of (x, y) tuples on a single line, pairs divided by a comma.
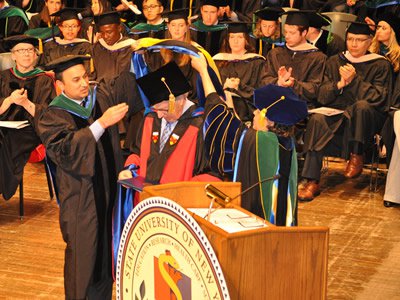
[(82, 142), (23, 90), (255, 156), (359, 83), (169, 145)]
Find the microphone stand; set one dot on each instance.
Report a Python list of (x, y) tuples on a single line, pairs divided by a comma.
[(222, 199)]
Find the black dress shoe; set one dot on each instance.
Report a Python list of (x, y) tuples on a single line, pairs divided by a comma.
[(390, 204)]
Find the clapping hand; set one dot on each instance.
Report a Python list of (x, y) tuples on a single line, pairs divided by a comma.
[(285, 78), (18, 97)]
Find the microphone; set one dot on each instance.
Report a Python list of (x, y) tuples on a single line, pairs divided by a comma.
[(223, 199)]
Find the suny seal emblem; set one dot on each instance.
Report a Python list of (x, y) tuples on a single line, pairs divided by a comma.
[(164, 254)]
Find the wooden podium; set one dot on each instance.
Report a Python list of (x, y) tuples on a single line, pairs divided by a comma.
[(265, 263)]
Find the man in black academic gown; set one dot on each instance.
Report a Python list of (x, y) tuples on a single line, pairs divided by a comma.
[(13, 21), (328, 42), (298, 65), (81, 139), (359, 83), (112, 52), (23, 89), (206, 31)]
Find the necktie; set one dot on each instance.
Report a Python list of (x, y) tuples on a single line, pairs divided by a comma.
[(165, 135)]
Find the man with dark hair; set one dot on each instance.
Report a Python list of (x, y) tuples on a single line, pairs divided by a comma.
[(82, 142), (23, 90), (358, 83), (154, 25), (112, 52), (13, 21), (298, 65), (207, 31)]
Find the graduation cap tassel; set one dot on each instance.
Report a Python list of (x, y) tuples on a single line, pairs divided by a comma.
[(190, 10), (171, 100), (40, 45), (263, 112)]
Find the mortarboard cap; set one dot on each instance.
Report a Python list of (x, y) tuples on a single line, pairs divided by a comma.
[(65, 62), (297, 17), (236, 27), (177, 14), (112, 17), (269, 13), (317, 20), (394, 22), (14, 40), (216, 3), (359, 28), (68, 13), (282, 105), (160, 84)]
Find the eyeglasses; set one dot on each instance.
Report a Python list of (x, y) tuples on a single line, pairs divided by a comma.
[(70, 27), (356, 40), (23, 51), (153, 6)]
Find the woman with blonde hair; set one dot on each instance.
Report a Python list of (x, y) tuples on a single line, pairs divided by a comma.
[(267, 32), (386, 40)]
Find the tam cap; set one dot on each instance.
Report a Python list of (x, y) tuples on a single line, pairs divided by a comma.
[(317, 20), (216, 3), (161, 84), (280, 104), (297, 17), (112, 17), (176, 14), (269, 13), (14, 40), (68, 13), (237, 27), (61, 64), (360, 28)]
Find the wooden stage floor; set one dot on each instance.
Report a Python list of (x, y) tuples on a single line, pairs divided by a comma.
[(364, 243)]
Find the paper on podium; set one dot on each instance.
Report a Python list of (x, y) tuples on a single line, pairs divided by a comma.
[(14, 124), (230, 219)]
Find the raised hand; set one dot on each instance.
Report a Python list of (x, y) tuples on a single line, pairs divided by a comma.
[(113, 115)]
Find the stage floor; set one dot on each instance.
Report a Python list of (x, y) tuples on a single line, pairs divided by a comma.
[(364, 242)]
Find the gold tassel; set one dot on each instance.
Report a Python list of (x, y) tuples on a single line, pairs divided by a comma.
[(171, 98), (40, 46), (91, 65), (171, 104)]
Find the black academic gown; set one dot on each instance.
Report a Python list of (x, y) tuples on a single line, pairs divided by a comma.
[(53, 50), (17, 145), (251, 70), (108, 64), (335, 45), (364, 100), (308, 69), (86, 176), (210, 40), (11, 26)]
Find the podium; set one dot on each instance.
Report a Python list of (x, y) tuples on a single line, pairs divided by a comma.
[(264, 263)]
